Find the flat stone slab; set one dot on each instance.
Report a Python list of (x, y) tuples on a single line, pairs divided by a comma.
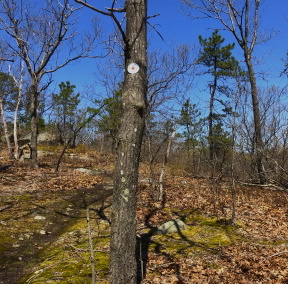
[(87, 171), (38, 217)]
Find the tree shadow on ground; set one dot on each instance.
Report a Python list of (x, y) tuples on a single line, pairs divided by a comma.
[(17, 261), (145, 241)]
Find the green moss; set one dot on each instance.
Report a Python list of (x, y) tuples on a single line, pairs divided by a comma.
[(194, 238), (102, 264), (69, 256), (70, 266), (49, 148), (24, 197), (4, 242), (202, 234)]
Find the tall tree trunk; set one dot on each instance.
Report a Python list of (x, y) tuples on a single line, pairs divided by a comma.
[(164, 162), (257, 121), (19, 84), (152, 180), (34, 125), (15, 132), (211, 138), (123, 266), (2, 115), (211, 120)]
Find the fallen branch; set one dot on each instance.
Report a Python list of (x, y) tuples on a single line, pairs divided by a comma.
[(85, 250), (269, 185), (9, 179), (275, 254), (5, 207)]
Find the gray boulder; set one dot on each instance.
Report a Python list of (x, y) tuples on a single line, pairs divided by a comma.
[(44, 137), (172, 226)]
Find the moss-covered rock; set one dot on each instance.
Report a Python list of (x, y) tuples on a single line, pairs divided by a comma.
[(202, 233)]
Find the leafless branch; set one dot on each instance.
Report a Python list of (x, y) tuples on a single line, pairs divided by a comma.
[(4, 59), (153, 16), (93, 8), (110, 13), (153, 27)]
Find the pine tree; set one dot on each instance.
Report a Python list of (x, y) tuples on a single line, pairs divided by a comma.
[(191, 122), (65, 106), (220, 65), (109, 122)]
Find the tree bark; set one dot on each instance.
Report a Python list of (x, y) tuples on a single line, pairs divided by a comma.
[(164, 162), (34, 125), (256, 117), (15, 129), (5, 128), (123, 266), (211, 122)]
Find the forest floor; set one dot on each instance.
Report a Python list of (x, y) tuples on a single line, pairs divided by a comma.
[(45, 218)]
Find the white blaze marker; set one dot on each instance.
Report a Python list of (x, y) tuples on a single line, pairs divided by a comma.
[(133, 68)]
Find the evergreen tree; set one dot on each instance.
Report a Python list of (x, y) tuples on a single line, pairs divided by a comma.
[(109, 122), (65, 110), (8, 91), (191, 121), (220, 65)]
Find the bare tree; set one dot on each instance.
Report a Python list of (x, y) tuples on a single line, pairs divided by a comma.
[(4, 54), (170, 74), (123, 267), (274, 123), (19, 83), (164, 162), (8, 90), (158, 134), (242, 20), (39, 34), (5, 128)]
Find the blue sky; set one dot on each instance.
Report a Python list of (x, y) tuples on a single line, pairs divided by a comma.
[(176, 28)]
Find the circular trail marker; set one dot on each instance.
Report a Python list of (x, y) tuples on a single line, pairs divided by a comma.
[(133, 68)]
